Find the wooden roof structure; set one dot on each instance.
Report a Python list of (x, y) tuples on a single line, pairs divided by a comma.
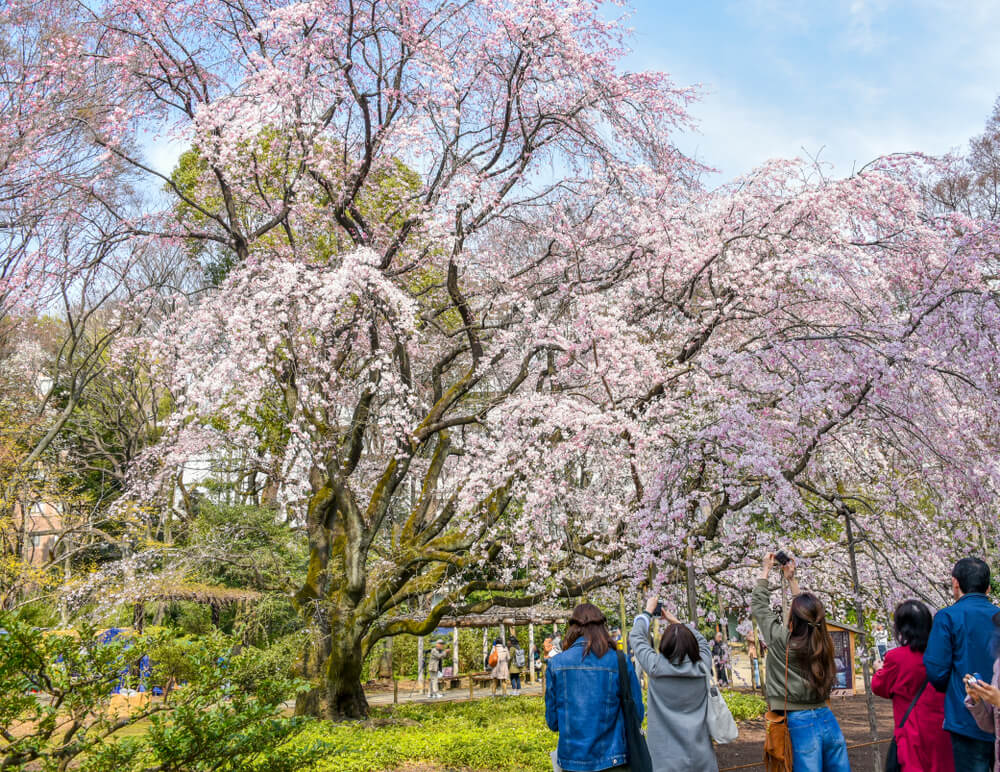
[(498, 615), (214, 595)]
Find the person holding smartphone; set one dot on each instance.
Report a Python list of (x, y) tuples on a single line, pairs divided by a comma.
[(983, 699), (960, 644), (800, 671), (678, 671)]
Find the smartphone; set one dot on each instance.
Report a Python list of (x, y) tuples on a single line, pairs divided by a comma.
[(658, 611)]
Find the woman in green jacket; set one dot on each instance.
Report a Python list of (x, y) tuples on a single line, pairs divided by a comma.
[(800, 673)]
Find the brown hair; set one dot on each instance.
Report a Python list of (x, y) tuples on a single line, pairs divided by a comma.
[(588, 620), (811, 643), (678, 642)]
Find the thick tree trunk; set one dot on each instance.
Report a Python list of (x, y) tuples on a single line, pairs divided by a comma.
[(333, 665)]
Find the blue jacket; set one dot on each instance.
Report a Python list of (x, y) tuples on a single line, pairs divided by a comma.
[(961, 643), (582, 704)]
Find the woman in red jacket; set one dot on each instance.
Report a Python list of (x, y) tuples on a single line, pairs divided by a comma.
[(922, 744)]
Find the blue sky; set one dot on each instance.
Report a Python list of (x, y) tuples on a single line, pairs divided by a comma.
[(848, 79)]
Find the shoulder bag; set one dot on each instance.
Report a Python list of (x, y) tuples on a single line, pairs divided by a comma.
[(892, 758), (639, 759), (778, 743), (721, 725)]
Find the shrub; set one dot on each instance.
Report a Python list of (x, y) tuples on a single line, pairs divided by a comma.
[(745, 707), (56, 704)]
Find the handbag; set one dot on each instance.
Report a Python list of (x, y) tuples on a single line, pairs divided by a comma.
[(639, 759), (721, 725), (892, 758), (778, 742)]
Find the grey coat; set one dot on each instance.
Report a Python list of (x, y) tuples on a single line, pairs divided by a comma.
[(677, 705)]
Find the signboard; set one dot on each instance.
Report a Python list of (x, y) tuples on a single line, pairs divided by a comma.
[(844, 680)]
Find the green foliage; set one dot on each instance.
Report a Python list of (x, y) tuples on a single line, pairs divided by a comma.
[(745, 707), (57, 709), (490, 734), (500, 734)]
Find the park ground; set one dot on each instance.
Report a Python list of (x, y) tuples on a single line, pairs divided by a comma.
[(508, 734)]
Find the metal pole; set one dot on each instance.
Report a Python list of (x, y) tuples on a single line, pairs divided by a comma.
[(860, 612), (454, 649)]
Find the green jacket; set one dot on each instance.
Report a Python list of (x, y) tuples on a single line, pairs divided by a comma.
[(774, 631)]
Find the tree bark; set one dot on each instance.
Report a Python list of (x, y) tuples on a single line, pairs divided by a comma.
[(333, 664)]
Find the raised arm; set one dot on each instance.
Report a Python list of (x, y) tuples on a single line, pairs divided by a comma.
[(647, 657), (772, 628)]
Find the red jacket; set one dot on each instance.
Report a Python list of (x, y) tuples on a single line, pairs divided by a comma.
[(922, 745)]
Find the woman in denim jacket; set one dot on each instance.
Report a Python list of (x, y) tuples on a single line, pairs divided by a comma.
[(582, 699)]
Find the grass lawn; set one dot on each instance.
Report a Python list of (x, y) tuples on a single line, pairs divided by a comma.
[(489, 734)]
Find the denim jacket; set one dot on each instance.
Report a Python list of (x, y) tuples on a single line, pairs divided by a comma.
[(961, 643), (582, 704)]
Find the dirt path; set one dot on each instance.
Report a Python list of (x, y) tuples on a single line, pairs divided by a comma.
[(850, 712)]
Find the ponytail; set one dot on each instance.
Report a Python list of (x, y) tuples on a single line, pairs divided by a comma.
[(811, 642)]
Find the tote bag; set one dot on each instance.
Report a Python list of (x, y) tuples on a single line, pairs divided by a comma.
[(721, 724)]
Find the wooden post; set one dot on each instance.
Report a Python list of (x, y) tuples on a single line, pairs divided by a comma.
[(531, 650), (860, 611), (486, 632), (420, 664), (472, 685), (395, 690), (503, 633), (692, 594)]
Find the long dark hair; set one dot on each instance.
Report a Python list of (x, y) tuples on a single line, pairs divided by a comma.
[(913, 621), (678, 642), (588, 620), (811, 643)]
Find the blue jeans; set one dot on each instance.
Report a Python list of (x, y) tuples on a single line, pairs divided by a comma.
[(971, 755), (817, 742), (515, 680)]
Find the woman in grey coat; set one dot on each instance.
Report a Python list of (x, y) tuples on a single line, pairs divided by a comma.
[(677, 708)]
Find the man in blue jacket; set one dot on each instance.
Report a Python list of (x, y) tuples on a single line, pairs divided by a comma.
[(961, 643)]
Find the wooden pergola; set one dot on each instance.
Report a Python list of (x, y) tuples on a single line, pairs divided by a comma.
[(212, 595), (500, 617)]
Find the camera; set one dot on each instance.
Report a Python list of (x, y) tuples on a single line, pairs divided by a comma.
[(782, 557), (658, 611)]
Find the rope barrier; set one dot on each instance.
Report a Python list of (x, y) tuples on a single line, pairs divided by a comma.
[(849, 747)]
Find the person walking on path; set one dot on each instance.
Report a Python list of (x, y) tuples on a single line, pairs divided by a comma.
[(881, 637), (922, 744), (983, 700), (583, 697), (438, 653), (961, 643), (678, 736), (517, 664), (720, 657), (800, 673), (499, 661)]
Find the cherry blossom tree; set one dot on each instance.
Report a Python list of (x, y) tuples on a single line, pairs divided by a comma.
[(512, 349)]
